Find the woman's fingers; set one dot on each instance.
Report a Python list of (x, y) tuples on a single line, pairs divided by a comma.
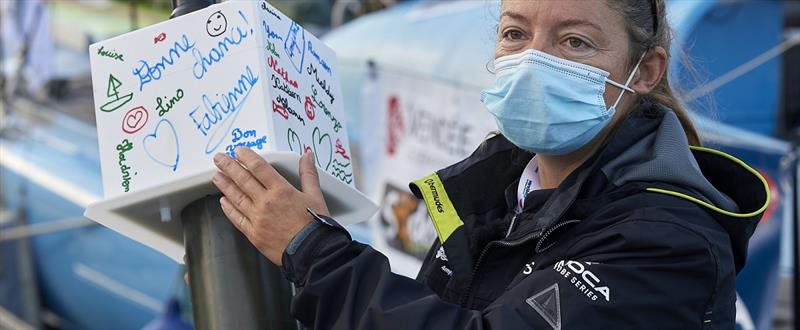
[(237, 218), (309, 178), (259, 168), (232, 192), (244, 180)]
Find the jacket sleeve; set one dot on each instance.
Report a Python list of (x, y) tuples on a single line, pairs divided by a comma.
[(613, 280), (343, 284)]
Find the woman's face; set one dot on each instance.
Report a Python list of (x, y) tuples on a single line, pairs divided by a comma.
[(585, 31)]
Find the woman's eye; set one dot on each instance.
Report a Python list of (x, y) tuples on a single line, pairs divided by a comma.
[(513, 35), (576, 43)]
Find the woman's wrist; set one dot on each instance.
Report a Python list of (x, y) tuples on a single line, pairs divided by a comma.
[(318, 238)]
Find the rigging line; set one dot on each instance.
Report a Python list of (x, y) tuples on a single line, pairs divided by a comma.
[(741, 70)]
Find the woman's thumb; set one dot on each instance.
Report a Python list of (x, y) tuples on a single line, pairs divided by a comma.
[(309, 178)]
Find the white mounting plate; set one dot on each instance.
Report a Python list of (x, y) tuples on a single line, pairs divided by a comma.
[(138, 215)]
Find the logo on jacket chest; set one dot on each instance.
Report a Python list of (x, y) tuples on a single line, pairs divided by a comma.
[(583, 279)]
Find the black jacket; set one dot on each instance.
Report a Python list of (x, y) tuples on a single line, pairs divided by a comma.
[(648, 233)]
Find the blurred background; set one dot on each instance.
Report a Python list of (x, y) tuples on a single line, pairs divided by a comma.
[(411, 72)]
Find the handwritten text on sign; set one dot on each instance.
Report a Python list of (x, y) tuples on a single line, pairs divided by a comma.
[(237, 74)]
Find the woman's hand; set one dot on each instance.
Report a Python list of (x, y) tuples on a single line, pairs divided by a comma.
[(259, 202)]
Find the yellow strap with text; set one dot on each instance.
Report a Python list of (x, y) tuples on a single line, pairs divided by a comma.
[(444, 216)]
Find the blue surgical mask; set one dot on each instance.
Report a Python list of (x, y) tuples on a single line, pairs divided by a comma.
[(549, 105)]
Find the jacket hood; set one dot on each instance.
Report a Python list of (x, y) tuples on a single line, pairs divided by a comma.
[(735, 194), (664, 156)]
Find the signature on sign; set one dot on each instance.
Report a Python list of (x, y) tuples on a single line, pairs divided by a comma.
[(216, 117), (122, 148)]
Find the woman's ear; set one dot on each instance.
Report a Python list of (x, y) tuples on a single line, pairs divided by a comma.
[(651, 70)]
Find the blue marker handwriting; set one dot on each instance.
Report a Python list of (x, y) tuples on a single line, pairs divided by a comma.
[(238, 134), (295, 46), (203, 62), (148, 72), (245, 139), (320, 60), (216, 117), (269, 33)]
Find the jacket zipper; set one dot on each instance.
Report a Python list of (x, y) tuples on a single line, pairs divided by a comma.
[(511, 227), (518, 242), (550, 232)]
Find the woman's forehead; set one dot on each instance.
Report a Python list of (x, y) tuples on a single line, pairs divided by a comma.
[(590, 13)]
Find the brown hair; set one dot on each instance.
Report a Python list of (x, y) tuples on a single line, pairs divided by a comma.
[(647, 26)]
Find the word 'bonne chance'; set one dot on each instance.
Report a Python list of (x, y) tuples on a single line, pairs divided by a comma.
[(148, 72), (204, 62)]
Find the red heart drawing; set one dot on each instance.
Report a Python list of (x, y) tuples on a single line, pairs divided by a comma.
[(134, 120)]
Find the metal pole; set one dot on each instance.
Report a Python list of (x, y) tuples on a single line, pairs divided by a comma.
[(224, 270), (232, 285)]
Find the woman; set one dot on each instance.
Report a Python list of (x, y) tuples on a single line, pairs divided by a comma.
[(591, 210)]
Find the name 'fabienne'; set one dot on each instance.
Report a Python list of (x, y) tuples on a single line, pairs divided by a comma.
[(216, 112)]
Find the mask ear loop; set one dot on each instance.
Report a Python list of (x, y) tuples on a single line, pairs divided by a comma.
[(627, 82)]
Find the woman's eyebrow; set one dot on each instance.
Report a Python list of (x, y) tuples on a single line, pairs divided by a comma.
[(514, 16), (577, 22)]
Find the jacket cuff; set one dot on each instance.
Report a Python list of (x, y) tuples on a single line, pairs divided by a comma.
[(316, 239)]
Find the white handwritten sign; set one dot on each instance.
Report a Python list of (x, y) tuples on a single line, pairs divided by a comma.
[(170, 96)]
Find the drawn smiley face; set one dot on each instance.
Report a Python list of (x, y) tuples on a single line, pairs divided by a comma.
[(216, 24)]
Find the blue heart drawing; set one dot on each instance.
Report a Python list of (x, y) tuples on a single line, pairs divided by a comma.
[(162, 154)]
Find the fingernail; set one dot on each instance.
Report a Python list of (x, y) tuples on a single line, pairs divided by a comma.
[(218, 158), (223, 202)]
